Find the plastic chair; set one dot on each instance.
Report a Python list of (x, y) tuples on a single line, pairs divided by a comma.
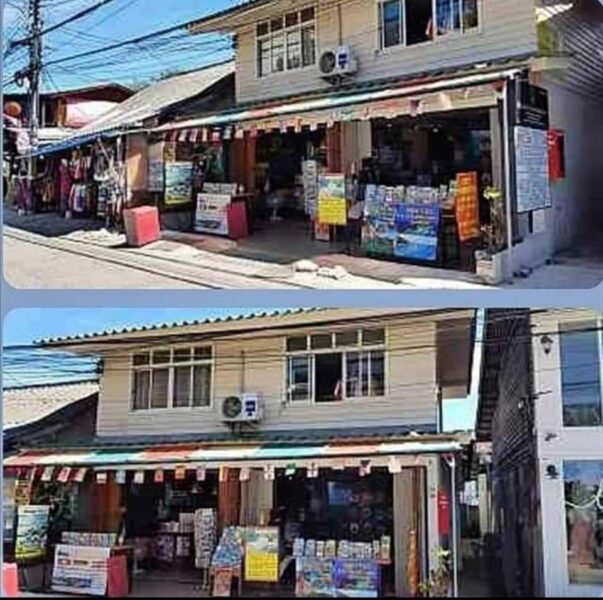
[(10, 580)]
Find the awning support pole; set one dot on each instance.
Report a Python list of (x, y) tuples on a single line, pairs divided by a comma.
[(508, 182), (451, 461)]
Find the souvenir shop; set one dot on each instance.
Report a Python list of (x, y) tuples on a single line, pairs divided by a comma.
[(404, 176), (364, 522), (83, 182)]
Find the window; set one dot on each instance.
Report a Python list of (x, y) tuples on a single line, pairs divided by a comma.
[(410, 22), (581, 376), (584, 517), (333, 367), (286, 43), (178, 378)]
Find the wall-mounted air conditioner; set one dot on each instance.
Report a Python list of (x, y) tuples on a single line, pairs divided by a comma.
[(338, 63), (242, 409)]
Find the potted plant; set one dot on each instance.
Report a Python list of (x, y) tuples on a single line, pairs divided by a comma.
[(490, 262), (439, 582)]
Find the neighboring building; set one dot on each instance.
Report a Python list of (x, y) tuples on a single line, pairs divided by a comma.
[(333, 395), (64, 112), (541, 406)]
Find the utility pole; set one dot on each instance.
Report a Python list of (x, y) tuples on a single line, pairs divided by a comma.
[(35, 67)]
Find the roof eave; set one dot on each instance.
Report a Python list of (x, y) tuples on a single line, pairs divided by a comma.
[(226, 20)]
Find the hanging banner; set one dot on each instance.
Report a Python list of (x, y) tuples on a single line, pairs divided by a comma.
[(261, 555), (467, 206), (443, 513), (32, 532), (310, 178), (80, 570), (178, 183), (212, 213), (532, 169), (332, 204)]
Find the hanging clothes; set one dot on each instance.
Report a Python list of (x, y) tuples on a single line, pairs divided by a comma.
[(65, 184)]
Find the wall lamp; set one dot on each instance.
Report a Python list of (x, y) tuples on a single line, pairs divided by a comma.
[(547, 344), (552, 472)]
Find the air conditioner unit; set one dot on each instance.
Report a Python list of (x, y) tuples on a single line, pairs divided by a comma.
[(242, 409), (338, 63)]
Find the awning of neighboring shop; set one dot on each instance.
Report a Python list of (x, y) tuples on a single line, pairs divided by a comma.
[(75, 142), (473, 90), (231, 456)]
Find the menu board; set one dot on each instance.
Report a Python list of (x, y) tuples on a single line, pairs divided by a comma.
[(310, 178), (32, 532), (80, 570), (332, 204), (532, 169), (156, 168), (467, 206), (403, 231), (314, 578), (262, 554), (178, 183), (212, 213)]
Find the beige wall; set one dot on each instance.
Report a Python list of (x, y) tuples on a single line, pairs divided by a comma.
[(410, 373), (508, 29)]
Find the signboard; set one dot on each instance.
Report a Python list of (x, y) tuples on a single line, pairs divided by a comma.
[(9, 508), (222, 582), (443, 513), (356, 578), (156, 174), (212, 213), (80, 570), (23, 489), (32, 532), (411, 232), (178, 183), (314, 578), (262, 554), (332, 204), (532, 169), (467, 206), (532, 106)]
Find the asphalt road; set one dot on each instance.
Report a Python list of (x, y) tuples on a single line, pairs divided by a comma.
[(30, 266)]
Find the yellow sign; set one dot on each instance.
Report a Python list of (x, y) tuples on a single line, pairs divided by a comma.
[(261, 555), (332, 204)]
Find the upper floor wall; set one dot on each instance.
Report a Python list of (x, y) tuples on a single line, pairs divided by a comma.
[(278, 44), (384, 372)]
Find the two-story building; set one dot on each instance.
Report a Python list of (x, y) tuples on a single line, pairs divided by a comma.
[(325, 424), (541, 406), (474, 123)]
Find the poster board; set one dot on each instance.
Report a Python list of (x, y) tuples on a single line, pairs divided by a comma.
[(356, 578), (532, 172), (410, 231), (23, 489), (212, 213), (467, 206), (332, 204), (310, 179), (178, 183), (262, 554), (80, 570), (32, 532), (314, 577)]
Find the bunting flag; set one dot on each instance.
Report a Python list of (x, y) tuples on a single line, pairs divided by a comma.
[(284, 127), (101, 478), (80, 475), (416, 107), (159, 476), (290, 470), (244, 474), (312, 471), (194, 134), (32, 474), (365, 468), (253, 132), (47, 474), (63, 476), (269, 473), (180, 474), (228, 133), (204, 135), (182, 135), (139, 477), (223, 474), (201, 474), (394, 466), (120, 477), (314, 126), (216, 135), (298, 126), (239, 134)]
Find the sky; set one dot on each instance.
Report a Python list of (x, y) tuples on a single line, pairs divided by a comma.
[(119, 20), (25, 326)]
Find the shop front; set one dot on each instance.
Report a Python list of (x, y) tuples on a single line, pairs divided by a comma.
[(413, 174), (331, 520)]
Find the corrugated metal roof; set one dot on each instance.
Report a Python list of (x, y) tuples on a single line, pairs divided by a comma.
[(28, 405), (164, 326)]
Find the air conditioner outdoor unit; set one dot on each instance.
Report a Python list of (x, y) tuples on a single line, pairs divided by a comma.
[(242, 409), (338, 63)]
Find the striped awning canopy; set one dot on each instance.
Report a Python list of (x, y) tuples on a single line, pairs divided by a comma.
[(217, 456)]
